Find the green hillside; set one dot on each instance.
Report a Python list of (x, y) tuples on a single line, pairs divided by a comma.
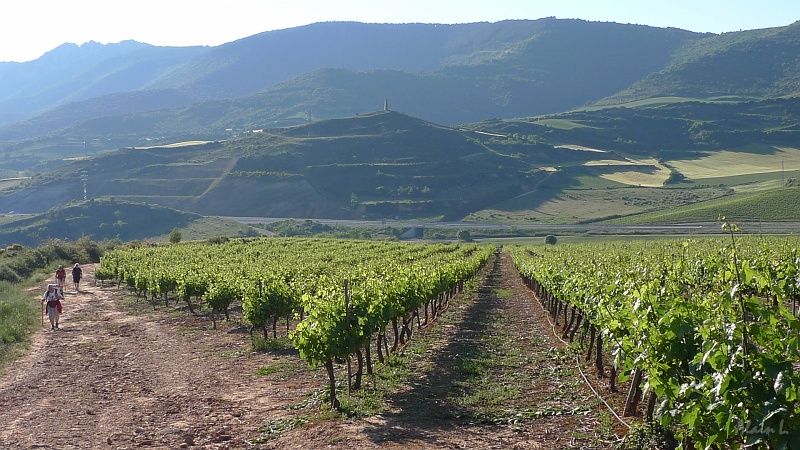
[(774, 205), (667, 127), (557, 169), (112, 219), (670, 154), (376, 165), (98, 220)]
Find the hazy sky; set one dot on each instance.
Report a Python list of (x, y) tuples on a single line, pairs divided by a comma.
[(29, 28)]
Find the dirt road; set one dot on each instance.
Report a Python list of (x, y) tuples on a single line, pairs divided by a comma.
[(118, 375)]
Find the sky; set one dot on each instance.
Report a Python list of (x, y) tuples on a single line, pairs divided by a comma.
[(30, 28)]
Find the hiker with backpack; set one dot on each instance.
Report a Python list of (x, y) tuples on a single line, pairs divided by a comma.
[(61, 276), (76, 276), (52, 298)]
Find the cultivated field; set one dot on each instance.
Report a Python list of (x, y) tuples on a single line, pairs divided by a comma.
[(722, 164)]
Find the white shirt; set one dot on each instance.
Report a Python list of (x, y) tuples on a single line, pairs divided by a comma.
[(51, 296)]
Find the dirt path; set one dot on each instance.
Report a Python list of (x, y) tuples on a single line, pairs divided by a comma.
[(107, 379), (118, 375)]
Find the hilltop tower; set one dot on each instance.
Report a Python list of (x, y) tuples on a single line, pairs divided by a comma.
[(386, 104)]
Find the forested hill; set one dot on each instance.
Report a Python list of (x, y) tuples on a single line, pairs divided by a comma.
[(750, 65)]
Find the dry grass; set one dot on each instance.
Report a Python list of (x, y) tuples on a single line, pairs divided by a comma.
[(644, 178), (175, 145), (581, 148)]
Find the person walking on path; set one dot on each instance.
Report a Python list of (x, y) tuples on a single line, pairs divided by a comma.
[(61, 277), (52, 297), (76, 276)]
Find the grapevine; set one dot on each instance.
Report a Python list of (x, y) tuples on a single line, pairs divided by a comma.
[(346, 292), (708, 324)]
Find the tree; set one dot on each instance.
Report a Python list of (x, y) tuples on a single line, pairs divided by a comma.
[(463, 235), (175, 236), (550, 239)]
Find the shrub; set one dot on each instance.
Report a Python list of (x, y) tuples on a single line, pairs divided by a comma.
[(648, 436), (218, 240), (18, 316), (82, 250), (175, 236)]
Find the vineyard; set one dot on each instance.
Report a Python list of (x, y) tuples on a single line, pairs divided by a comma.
[(705, 329), (345, 292), (703, 332)]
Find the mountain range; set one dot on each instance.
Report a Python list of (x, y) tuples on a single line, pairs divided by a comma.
[(448, 74), (527, 104)]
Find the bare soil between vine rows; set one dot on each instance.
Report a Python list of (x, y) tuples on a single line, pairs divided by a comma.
[(120, 375)]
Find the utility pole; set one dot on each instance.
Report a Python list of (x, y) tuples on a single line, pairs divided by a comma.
[(85, 179)]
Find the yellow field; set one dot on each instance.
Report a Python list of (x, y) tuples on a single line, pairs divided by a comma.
[(580, 148), (717, 165), (726, 163), (175, 145), (609, 162), (639, 177)]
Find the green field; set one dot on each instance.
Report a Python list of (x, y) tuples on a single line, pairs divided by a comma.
[(589, 205), (776, 205), (211, 227)]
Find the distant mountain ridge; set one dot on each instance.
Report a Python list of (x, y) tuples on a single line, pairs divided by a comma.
[(72, 73), (250, 65)]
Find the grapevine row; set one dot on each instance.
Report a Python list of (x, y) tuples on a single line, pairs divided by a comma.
[(345, 292), (709, 325)]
